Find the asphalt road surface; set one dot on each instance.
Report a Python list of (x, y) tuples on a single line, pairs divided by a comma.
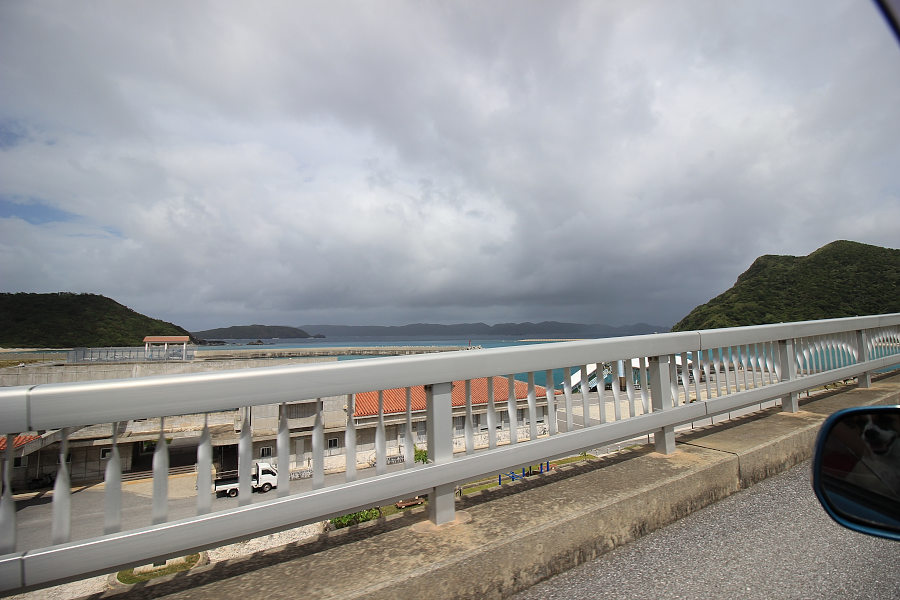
[(770, 541)]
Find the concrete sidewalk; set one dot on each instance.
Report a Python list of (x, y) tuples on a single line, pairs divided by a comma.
[(512, 537)]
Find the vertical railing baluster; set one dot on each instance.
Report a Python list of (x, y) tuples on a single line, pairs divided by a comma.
[(686, 378), (725, 369), (695, 371), (245, 460), (350, 440), (283, 453), (470, 434), (532, 408), (757, 364), (600, 378), (61, 528), (863, 349), (380, 448), (763, 363), (615, 367), (846, 359), (774, 362), (511, 409), (551, 402), (802, 356), (629, 387), (410, 448), (705, 364), (491, 414), (204, 469), (742, 352), (752, 366), (585, 401), (818, 354), (161, 476), (735, 363), (318, 446), (567, 392), (7, 503), (717, 362), (644, 376), (112, 487), (673, 380), (771, 361)]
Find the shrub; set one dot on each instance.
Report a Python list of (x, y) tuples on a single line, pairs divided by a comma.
[(355, 518)]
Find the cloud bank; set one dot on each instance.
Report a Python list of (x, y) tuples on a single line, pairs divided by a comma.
[(385, 163)]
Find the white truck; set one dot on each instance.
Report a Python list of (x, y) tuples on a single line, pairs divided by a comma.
[(264, 478)]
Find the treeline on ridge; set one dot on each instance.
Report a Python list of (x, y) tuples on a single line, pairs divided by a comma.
[(840, 279), (68, 320)]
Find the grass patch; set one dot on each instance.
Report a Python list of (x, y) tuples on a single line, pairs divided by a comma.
[(16, 363), (128, 576), (572, 459)]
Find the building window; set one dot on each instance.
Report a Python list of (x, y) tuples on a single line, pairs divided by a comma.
[(300, 410), (332, 443), (459, 424), (521, 418), (105, 453), (265, 451), (20, 461), (68, 458)]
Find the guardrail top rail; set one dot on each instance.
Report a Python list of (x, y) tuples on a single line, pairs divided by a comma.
[(483, 414)]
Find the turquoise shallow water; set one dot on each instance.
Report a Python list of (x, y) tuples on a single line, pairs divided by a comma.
[(540, 378)]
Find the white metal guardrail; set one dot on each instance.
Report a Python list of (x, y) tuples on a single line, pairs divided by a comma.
[(672, 379)]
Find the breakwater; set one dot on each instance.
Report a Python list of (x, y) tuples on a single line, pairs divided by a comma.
[(262, 352)]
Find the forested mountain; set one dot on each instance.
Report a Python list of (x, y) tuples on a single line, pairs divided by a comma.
[(66, 320), (246, 332), (841, 279)]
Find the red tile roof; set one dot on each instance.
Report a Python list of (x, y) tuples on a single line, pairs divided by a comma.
[(395, 400), (18, 441), (166, 339)]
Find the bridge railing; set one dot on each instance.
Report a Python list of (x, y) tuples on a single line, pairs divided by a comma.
[(669, 380)]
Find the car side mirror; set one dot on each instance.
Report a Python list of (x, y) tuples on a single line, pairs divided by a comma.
[(856, 469)]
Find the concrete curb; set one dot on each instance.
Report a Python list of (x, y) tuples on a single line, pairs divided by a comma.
[(514, 540)]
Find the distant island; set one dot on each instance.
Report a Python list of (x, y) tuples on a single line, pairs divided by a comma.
[(67, 320), (247, 332), (543, 329), (840, 279)]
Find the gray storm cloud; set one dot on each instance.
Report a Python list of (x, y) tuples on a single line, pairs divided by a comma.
[(287, 163)]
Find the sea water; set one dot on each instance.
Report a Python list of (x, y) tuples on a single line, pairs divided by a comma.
[(540, 377)]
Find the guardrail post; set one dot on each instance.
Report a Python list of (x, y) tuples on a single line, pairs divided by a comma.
[(791, 402), (439, 414), (660, 395), (862, 348)]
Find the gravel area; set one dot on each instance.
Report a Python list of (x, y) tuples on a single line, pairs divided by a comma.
[(96, 585)]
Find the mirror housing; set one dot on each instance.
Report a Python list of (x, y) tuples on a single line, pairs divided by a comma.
[(856, 469)]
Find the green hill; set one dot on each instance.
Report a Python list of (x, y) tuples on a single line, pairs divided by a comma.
[(841, 279), (248, 332), (66, 320)]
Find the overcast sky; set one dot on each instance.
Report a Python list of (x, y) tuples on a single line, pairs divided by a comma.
[(224, 163)]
